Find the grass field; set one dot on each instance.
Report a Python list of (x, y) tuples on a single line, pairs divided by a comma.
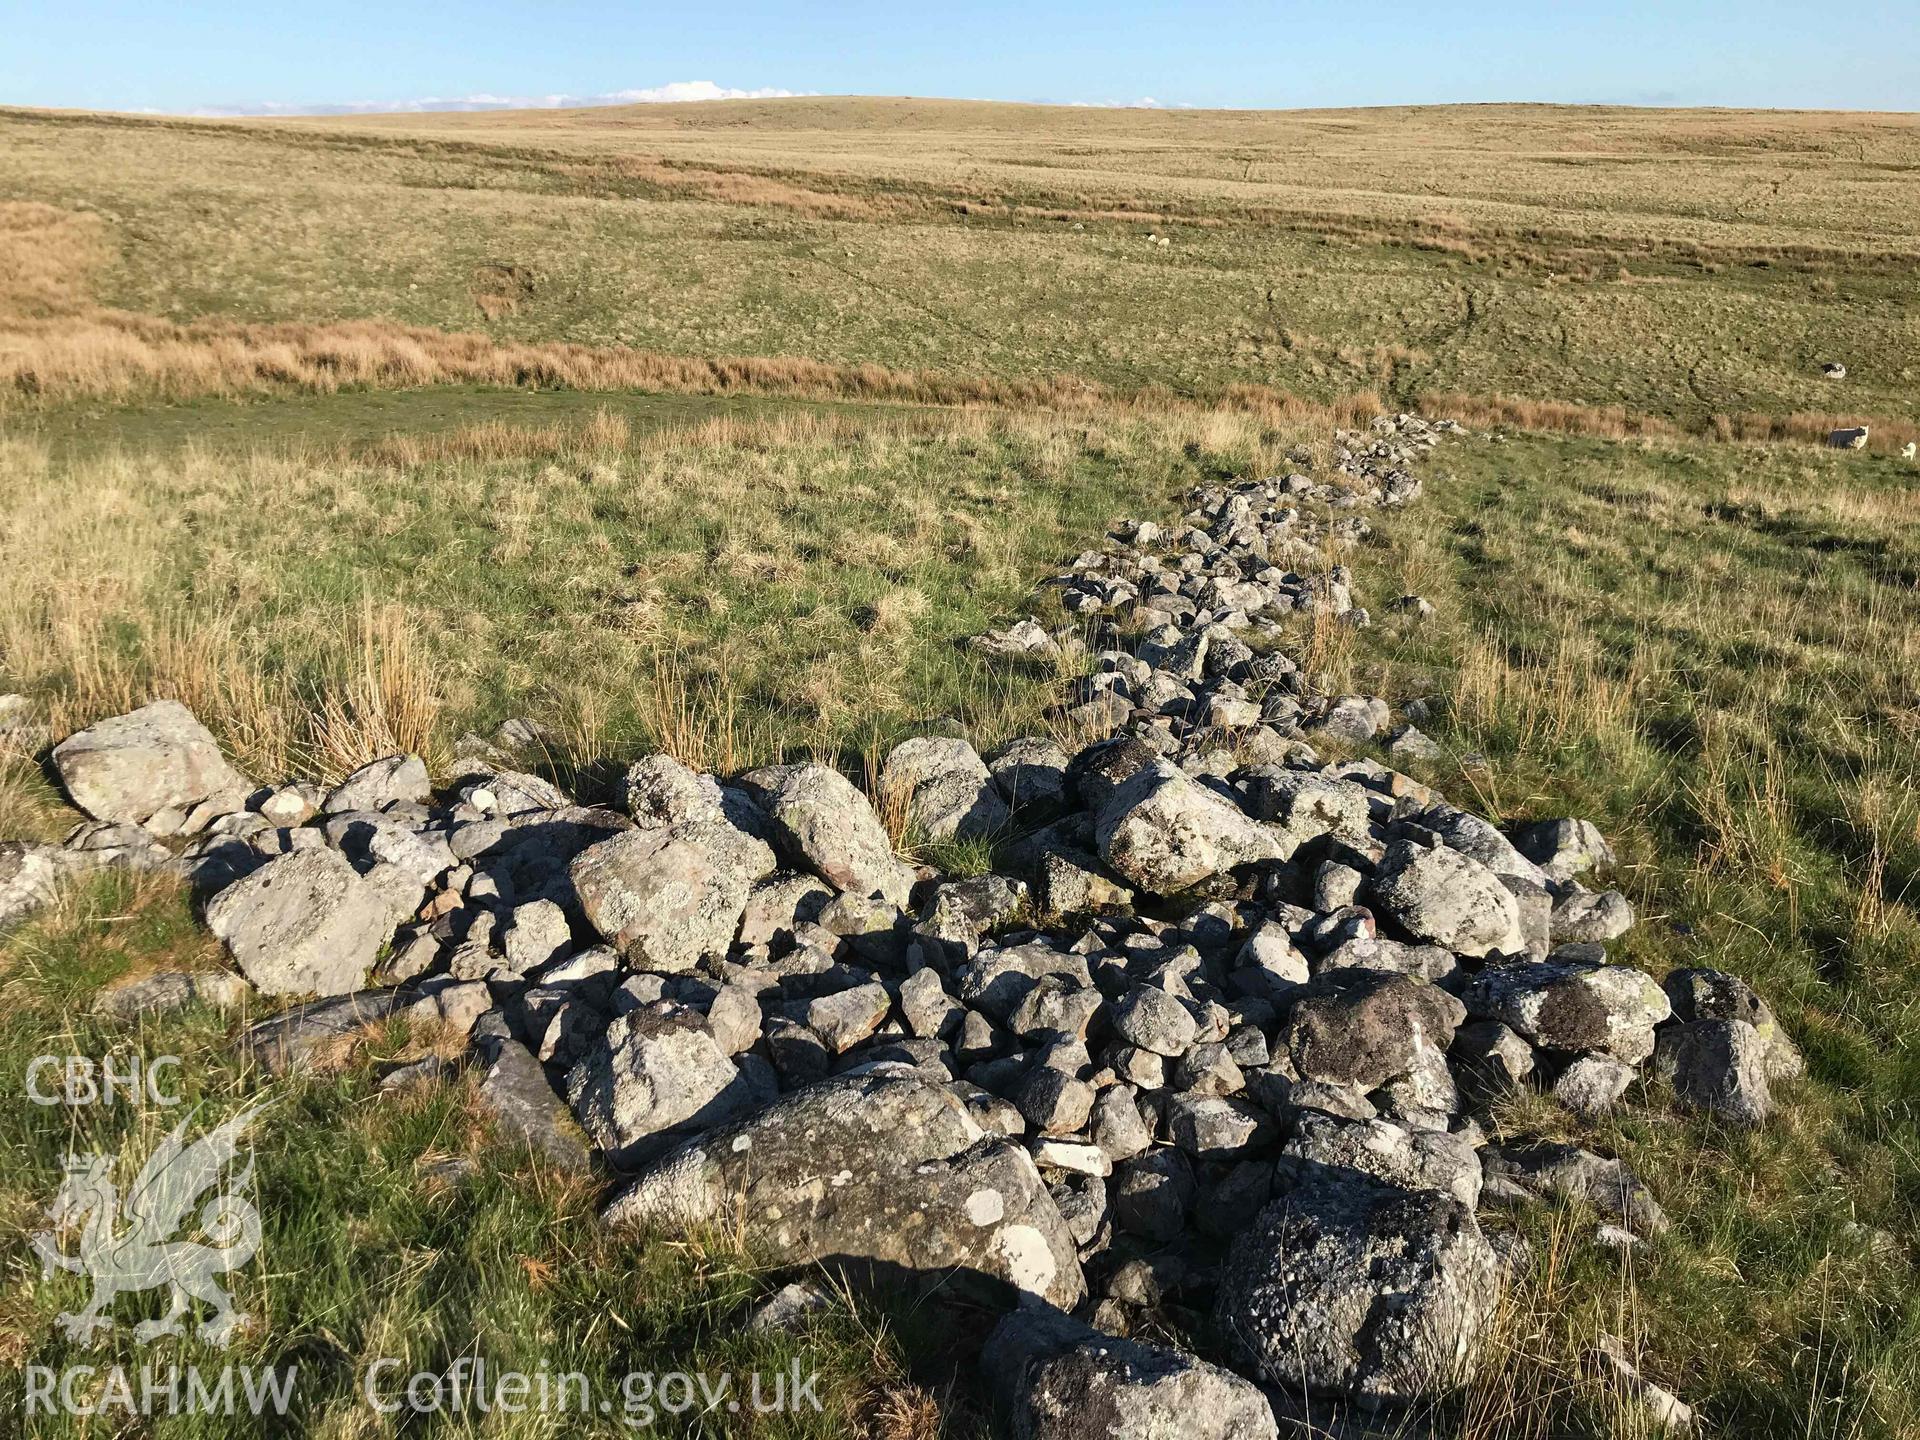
[(712, 428), (1678, 266)]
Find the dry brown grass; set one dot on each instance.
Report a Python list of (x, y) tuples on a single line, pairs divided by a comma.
[(1617, 422)]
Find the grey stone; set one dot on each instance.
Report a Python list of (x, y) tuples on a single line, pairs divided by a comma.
[(1361, 1289), (395, 779), (1573, 1005), (1591, 1085), (538, 935), (1153, 1020), (515, 1093), (1364, 1028), (1057, 1379), (168, 990), (1719, 1066), (1443, 896), (155, 758), (844, 1019), (910, 1184), (29, 879), (303, 923), (667, 897), (1715, 995), (1052, 1102), (1587, 918), (1416, 1160), (1165, 833), (657, 1068), (1031, 774), (1152, 1193), (822, 822), (945, 789), (1564, 848), (1116, 1125)]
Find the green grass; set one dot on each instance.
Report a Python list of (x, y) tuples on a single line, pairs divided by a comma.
[(1484, 254), (364, 1257), (1709, 652), (1707, 649), (360, 420), (797, 583)]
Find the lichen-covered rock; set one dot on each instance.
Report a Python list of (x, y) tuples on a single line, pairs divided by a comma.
[(303, 924), (874, 1172), (1719, 1066), (822, 822), (1584, 918), (657, 1067), (1031, 774), (394, 780), (1564, 848), (1364, 1027), (1574, 1005), (667, 896), (1443, 896), (1700, 994), (134, 766), (1417, 1159), (945, 787), (29, 875), (1356, 1288), (1057, 1379), (1165, 833)]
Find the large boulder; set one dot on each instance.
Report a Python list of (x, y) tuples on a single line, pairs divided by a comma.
[(1700, 994), (1415, 1159), (1057, 1379), (1444, 897), (1356, 1288), (391, 780), (1164, 832), (133, 766), (885, 1174), (945, 787), (304, 923), (1564, 848), (1582, 1006), (1363, 1028), (657, 1068), (666, 897), (1719, 1066), (1479, 841), (822, 822)]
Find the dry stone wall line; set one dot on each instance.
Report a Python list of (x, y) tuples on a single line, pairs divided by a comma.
[(1216, 1036)]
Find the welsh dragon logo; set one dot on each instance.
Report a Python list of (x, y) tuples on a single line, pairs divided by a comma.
[(148, 1251)]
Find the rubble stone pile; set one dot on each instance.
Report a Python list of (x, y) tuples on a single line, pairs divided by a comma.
[(1218, 1034)]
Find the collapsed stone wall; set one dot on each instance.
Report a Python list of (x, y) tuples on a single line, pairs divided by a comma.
[(1217, 1036)]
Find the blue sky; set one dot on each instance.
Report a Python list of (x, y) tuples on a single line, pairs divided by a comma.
[(244, 55)]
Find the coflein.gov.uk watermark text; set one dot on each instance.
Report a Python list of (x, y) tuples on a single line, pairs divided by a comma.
[(469, 1387)]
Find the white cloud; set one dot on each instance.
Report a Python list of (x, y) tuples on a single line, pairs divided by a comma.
[(674, 92)]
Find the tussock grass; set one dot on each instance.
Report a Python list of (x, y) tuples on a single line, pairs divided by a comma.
[(1710, 652), (728, 592), (1677, 269), (363, 1257)]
